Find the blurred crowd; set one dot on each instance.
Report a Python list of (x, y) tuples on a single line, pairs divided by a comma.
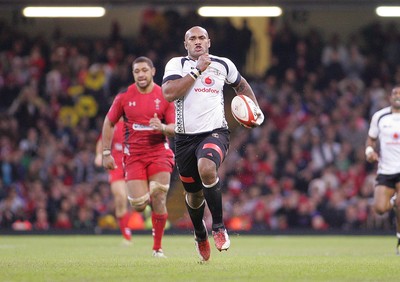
[(303, 168)]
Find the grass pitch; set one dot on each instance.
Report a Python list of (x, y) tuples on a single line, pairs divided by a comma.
[(250, 258)]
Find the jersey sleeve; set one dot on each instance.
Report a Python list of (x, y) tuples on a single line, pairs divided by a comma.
[(173, 69), (233, 76), (373, 131), (116, 110)]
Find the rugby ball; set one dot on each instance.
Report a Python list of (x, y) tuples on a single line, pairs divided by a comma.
[(244, 110)]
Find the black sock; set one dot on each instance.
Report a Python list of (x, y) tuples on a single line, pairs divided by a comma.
[(196, 215), (214, 202)]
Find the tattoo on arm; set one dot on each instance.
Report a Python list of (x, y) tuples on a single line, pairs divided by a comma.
[(241, 87)]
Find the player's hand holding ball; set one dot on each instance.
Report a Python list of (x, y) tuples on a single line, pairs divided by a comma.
[(260, 117), (246, 112)]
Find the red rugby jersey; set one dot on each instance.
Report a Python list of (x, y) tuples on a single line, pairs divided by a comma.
[(137, 109)]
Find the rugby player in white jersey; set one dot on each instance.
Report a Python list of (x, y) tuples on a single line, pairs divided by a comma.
[(195, 82), (385, 128)]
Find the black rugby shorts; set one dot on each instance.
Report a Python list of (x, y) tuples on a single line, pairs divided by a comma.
[(190, 148)]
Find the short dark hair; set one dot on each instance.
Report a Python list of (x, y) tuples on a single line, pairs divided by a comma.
[(143, 59)]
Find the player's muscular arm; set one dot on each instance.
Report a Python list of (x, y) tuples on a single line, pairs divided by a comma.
[(107, 135), (175, 89), (243, 88)]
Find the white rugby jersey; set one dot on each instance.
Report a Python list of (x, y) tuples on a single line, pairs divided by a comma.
[(385, 125), (202, 108)]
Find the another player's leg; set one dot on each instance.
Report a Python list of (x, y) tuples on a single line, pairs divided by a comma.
[(395, 205), (159, 215), (384, 202), (118, 189), (137, 194), (195, 205)]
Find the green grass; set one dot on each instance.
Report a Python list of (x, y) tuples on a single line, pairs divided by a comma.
[(251, 258)]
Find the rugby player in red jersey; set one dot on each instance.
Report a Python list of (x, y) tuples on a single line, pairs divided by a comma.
[(148, 160)]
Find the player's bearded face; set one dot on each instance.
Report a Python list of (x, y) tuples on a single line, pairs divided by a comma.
[(143, 75)]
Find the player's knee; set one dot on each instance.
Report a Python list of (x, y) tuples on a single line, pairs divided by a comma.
[(156, 187), (379, 209), (140, 203), (207, 170)]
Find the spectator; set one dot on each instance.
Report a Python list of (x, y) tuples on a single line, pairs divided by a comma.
[(41, 220)]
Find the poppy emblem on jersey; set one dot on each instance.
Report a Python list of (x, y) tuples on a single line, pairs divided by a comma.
[(208, 81), (157, 102), (396, 136)]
